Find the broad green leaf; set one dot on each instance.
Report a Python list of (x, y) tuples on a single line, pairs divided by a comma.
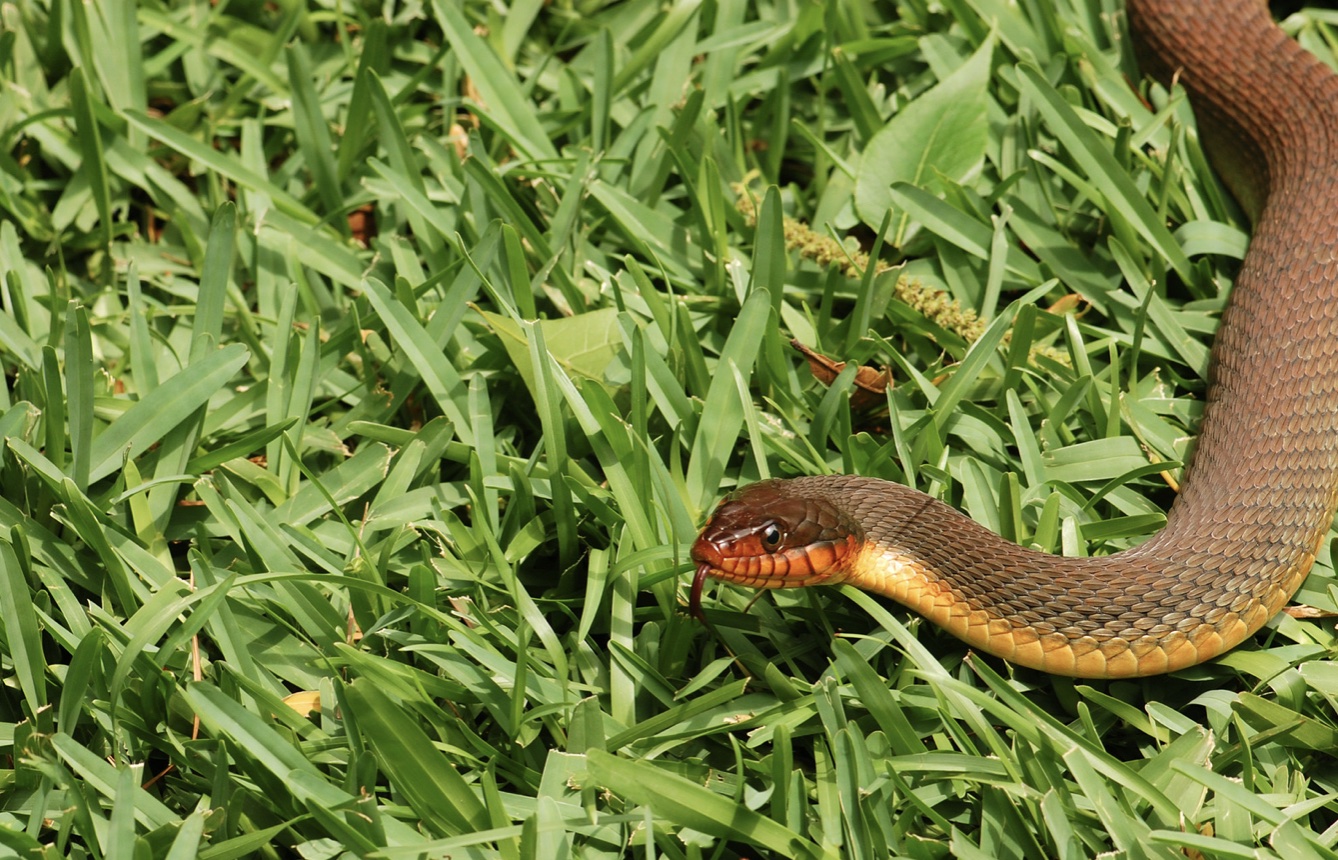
[(677, 799), (22, 641), (429, 782), (581, 345), (503, 101), (163, 408), (942, 134)]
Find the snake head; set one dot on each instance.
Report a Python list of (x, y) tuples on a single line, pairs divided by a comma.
[(773, 535)]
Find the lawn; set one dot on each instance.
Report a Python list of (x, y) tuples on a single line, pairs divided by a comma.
[(369, 371)]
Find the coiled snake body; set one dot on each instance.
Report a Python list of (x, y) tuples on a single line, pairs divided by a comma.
[(1260, 493)]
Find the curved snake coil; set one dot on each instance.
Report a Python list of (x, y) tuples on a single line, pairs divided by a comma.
[(1258, 497)]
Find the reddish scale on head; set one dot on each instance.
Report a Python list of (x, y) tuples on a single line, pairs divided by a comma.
[(768, 536)]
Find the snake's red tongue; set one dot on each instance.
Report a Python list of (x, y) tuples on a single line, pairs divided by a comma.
[(695, 600)]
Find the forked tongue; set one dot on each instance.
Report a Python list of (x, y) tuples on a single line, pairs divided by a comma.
[(695, 599)]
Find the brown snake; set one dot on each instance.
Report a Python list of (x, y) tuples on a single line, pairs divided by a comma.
[(1260, 493)]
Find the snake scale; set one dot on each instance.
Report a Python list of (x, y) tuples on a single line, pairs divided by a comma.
[(1260, 492)]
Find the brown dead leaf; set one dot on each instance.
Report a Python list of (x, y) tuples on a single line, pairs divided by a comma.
[(458, 138), (1309, 613), (362, 224), (306, 702), (472, 93), (1066, 304), (870, 383), (463, 608)]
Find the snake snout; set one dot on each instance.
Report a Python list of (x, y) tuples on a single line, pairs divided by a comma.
[(706, 551), (722, 540)]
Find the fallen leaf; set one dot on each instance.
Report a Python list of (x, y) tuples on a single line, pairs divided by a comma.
[(871, 384), (1066, 304), (306, 702), (1309, 612)]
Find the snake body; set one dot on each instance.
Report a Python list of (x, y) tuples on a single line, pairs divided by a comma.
[(1260, 492)]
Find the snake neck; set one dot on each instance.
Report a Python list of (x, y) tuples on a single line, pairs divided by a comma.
[(1262, 479), (1261, 488), (1265, 108), (1260, 492)]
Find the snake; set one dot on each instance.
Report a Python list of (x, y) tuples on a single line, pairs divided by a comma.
[(1260, 488)]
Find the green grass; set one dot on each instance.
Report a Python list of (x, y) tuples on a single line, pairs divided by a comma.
[(446, 480)]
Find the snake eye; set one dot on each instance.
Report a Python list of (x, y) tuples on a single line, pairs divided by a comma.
[(771, 537)]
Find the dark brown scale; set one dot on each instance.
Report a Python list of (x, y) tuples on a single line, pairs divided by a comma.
[(1261, 491)]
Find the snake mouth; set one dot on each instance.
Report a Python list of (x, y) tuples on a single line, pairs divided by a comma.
[(713, 560), (750, 575)]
